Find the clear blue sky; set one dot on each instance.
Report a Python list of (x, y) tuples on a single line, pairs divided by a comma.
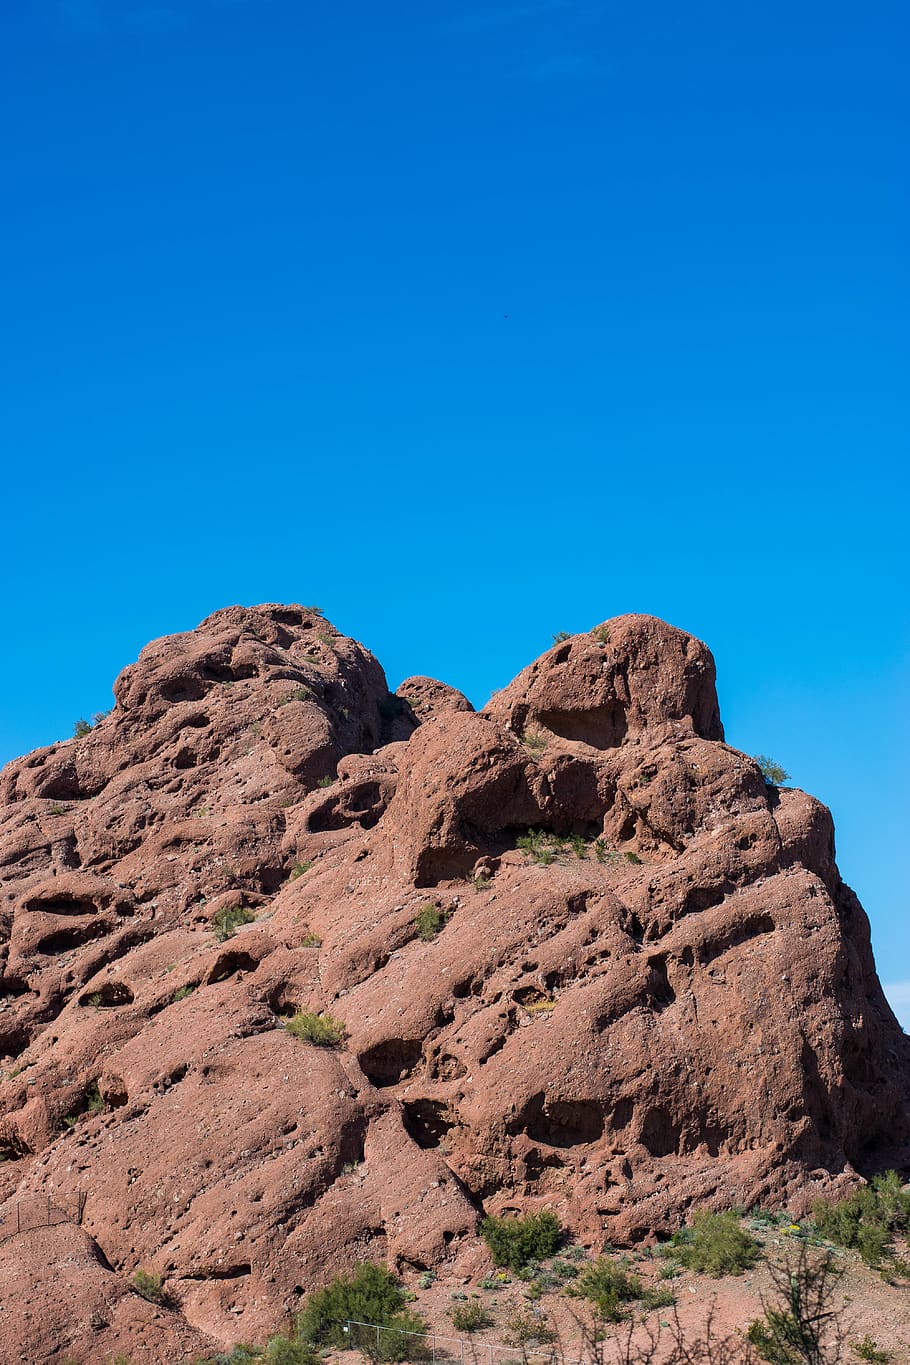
[(470, 323)]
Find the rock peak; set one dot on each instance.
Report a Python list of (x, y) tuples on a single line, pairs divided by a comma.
[(580, 955)]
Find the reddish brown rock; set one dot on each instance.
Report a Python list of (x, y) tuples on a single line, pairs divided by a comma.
[(674, 1002)]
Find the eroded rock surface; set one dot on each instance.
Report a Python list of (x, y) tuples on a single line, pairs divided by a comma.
[(670, 999)]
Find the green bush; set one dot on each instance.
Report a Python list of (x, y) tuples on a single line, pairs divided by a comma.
[(371, 1294), (715, 1244), (608, 1286), (148, 1286), (224, 923), (516, 1241), (82, 728), (299, 869), (868, 1349), (319, 1029), (801, 1315), (772, 772), (429, 920), (283, 1351), (867, 1220), (470, 1317)]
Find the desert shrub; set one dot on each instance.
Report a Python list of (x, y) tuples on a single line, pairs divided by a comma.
[(429, 920), (224, 923), (660, 1297), (326, 781), (299, 869), (516, 1241), (560, 636), (801, 1324), (772, 772), (283, 1351), (82, 728), (534, 741), (867, 1219), (148, 1286), (322, 1030), (470, 1317), (540, 845), (607, 1285), (371, 1294), (525, 1326), (182, 992), (715, 1244), (868, 1349)]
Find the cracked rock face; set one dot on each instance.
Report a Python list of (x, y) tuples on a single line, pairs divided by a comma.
[(664, 996)]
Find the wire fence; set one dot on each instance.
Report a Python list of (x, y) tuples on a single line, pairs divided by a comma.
[(40, 1211), (389, 1344)]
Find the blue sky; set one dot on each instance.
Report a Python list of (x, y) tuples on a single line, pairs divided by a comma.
[(470, 324)]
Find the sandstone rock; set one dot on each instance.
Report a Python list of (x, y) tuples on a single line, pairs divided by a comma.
[(665, 997)]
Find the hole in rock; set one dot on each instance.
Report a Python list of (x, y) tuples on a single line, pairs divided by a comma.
[(621, 1115), (185, 758), (63, 786), (216, 672), (426, 1121), (13, 1041), (108, 995), (704, 898), (362, 804), (176, 690), (388, 1062), (229, 963), (13, 985), (222, 1272), (659, 1134), (448, 1068), (13, 1147), (659, 990), (565, 1123), (750, 928), (602, 728), (62, 905), (65, 939)]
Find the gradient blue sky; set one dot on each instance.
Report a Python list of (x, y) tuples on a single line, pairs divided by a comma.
[(471, 323)]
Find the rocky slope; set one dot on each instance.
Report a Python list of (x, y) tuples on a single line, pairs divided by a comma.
[(666, 997)]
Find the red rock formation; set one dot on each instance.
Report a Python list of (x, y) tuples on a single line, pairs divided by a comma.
[(673, 1002)]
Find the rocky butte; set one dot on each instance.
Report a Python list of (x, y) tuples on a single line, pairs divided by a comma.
[(663, 997)]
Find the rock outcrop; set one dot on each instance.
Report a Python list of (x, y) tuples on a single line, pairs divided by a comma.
[(663, 996)]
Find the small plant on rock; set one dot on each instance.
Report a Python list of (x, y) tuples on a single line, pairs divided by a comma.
[(772, 772), (319, 1029), (226, 921), (148, 1286), (869, 1349), (429, 920), (82, 728), (299, 869)]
